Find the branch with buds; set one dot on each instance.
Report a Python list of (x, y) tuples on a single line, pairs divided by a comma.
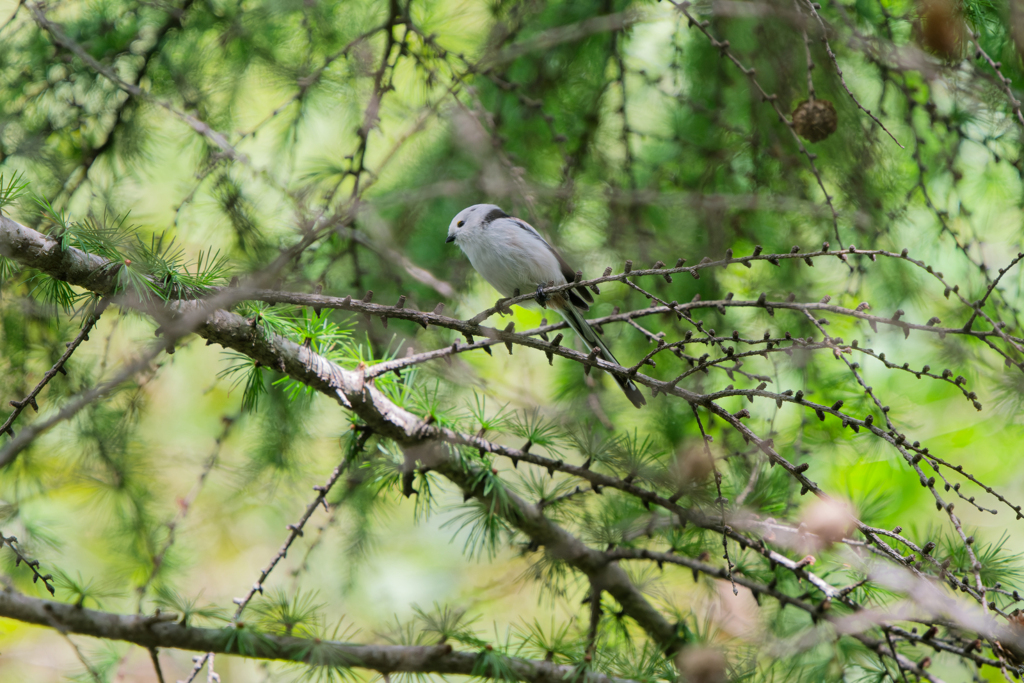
[(161, 631), (354, 390)]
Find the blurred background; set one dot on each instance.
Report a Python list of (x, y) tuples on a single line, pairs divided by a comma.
[(620, 130)]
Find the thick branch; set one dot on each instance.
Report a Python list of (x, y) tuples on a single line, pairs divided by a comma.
[(354, 391), (158, 632)]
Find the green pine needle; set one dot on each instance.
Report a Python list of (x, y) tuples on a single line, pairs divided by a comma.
[(188, 608), (245, 369), (280, 613), (11, 189)]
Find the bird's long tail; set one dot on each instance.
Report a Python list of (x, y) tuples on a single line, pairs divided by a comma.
[(581, 327)]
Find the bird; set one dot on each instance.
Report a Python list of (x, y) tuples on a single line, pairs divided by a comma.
[(512, 256)]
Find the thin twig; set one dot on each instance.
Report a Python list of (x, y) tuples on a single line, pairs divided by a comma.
[(295, 530), (30, 400), (155, 656), (839, 72), (19, 557), (723, 46)]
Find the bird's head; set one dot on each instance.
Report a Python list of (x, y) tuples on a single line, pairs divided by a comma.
[(472, 219)]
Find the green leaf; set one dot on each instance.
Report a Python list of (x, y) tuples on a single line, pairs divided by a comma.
[(58, 220), (560, 642), (486, 532), (81, 590)]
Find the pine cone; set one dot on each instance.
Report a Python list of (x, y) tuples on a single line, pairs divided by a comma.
[(815, 120)]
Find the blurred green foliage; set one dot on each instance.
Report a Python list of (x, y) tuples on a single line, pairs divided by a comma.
[(621, 131)]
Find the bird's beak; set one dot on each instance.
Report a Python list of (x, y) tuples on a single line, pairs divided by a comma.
[(451, 238)]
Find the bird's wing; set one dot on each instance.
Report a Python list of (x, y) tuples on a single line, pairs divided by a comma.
[(581, 295)]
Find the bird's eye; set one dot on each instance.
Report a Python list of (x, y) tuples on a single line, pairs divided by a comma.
[(460, 224)]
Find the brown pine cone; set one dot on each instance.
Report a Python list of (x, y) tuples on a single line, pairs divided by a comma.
[(815, 120)]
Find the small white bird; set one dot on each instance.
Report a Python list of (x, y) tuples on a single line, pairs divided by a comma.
[(511, 255)]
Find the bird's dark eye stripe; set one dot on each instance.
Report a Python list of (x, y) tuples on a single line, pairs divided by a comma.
[(494, 214), (460, 224)]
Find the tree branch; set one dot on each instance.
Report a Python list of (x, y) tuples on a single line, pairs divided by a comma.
[(352, 390), (54, 29), (30, 400), (157, 631)]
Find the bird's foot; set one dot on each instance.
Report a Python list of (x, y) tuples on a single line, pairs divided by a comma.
[(501, 305), (541, 297)]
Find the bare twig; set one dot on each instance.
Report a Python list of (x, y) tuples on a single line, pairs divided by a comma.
[(155, 656), (839, 71), (33, 565), (296, 530), (30, 400), (723, 46)]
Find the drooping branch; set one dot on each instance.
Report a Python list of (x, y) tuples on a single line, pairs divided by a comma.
[(296, 530), (30, 399), (351, 389), (772, 99), (173, 20), (354, 389), (160, 631), (99, 275), (215, 137)]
